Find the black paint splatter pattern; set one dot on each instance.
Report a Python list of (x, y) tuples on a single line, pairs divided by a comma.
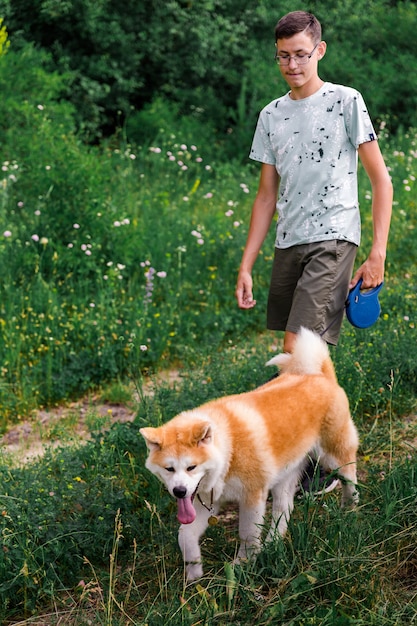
[(313, 145)]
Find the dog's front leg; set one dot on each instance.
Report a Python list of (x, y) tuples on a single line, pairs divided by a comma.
[(282, 504), (189, 542), (251, 517)]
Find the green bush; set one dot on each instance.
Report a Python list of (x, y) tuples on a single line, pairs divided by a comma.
[(212, 59), (117, 259)]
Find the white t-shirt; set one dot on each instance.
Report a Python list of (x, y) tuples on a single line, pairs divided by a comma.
[(313, 144)]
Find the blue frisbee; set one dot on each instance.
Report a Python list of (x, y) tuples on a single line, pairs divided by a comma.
[(362, 307)]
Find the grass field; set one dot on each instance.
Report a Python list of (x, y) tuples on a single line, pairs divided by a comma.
[(89, 536), (118, 262)]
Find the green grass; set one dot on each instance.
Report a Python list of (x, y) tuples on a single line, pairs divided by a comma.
[(118, 261), (118, 271), (89, 534), (139, 263)]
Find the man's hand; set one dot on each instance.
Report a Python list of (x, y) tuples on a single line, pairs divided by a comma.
[(371, 272), (243, 292)]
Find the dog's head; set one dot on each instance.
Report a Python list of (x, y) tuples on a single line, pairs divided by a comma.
[(179, 455)]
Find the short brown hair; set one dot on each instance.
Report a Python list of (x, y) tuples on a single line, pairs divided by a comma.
[(298, 22)]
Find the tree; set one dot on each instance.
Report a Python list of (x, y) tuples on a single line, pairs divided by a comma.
[(212, 60)]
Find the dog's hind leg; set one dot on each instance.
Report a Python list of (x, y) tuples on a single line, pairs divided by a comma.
[(345, 466), (339, 453)]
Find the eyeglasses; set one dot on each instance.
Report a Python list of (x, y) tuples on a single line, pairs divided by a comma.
[(301, 58)]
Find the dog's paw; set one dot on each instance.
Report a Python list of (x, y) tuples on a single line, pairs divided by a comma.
[(350, 500), (194, 571), (246, 553)]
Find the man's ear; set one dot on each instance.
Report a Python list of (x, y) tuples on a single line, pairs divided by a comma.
[(321, 49)]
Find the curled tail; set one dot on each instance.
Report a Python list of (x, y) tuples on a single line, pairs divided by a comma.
[(310, 356)]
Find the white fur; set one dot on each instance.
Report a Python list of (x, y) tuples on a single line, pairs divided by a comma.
[(242, 447), (308, 356)]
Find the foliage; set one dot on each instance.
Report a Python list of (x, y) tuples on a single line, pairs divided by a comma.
[(4, 41), (90, 530), (183, 50), (28, 86), (212, 59), (57, 514), (95, 41), (116, 259), (119, 259), (369, 44)]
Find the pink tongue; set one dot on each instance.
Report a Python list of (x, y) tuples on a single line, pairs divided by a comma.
[(186, 512)]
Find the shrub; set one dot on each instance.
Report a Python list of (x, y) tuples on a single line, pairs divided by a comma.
[(213, 60)]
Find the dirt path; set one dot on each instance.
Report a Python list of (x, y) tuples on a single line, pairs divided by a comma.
[(65, 424), (71, 423)]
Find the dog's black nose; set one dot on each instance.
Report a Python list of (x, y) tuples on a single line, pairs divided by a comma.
[(179, 492)]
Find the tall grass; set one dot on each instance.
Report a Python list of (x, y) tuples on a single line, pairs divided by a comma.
[(89, 535), (118, 260), (113, 260)]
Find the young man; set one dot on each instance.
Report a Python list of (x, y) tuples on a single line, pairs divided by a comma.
[(308, 142)]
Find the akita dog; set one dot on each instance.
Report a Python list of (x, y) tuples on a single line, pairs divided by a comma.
[(241, 447)]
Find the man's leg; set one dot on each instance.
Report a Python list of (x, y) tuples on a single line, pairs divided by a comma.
[(289, 341)]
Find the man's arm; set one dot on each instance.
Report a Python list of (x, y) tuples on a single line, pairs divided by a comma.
[(372, 270), (262, 213)]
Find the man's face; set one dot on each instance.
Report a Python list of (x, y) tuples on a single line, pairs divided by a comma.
[(299, 75)]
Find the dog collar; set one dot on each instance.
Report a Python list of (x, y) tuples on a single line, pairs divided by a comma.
[(213, 519)]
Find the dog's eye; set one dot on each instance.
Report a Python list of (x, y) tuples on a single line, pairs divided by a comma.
[(191, 468), (170, 469)]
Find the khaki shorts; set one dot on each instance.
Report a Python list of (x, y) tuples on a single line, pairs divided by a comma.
[(309, 286)]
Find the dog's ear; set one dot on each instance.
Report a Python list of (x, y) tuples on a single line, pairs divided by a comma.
[(152, 439), (203, 433)]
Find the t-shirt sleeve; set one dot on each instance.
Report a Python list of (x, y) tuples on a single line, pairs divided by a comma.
[(358, 122), (261, 149)]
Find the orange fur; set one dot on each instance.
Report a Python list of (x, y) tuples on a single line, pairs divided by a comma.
[(241, 447)]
